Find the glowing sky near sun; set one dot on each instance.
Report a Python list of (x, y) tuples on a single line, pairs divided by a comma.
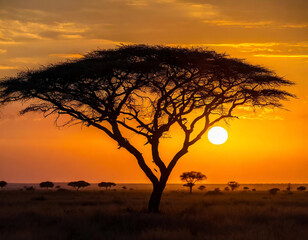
[(263, 146)]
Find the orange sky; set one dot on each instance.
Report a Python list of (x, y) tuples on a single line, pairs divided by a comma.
[(266, 146)]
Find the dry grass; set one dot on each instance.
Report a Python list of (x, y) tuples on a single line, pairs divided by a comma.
[(121, 215)]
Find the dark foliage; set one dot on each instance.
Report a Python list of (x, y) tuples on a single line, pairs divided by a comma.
[(301, 188), (274, 191), (107, 185), (233, 185), (31, 188), (191, 178), (3, 184), (147, 90), (78, 184), (46, 184)]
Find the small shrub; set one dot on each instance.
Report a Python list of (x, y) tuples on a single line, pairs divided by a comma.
[(215, 192), (274, 191), (3, 184), (301, 188)]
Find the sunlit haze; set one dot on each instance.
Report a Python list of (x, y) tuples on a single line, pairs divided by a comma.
[(264, 145)]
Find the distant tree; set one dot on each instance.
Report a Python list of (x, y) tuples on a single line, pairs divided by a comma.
[(31, 188), (274, 191), (253, 189), (78, 184), (57, 187), (46, 184), (191, 178), (107, 185), (301, 188), (233, 185), (103, 184), (227, 189), (124, 187), (3, 184), (288, 188), (246, 188), (201, 187), (147, 90), (111, 184)]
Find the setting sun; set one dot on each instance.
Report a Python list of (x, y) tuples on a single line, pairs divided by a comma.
[(217, 135)]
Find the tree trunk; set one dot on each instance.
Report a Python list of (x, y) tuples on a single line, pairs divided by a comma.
[(154, 202), (190, 189)]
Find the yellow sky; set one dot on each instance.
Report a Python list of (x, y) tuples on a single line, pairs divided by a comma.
[(266, 146)]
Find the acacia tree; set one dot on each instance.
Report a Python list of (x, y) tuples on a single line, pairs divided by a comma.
[(107, 185), (46, 184), (147, 90), (233, 185), (78, 184), (191, 178)]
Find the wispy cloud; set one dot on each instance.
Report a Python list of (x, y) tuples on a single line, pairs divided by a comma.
[(3, 67), (66, 55), (294, 26), (280, 56), (244, 24)]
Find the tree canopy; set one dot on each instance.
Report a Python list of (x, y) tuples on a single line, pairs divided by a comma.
[(3, 184), (146, 90), (233, 185), (46, 184), (191, 178), (78, 184), (107, 185)]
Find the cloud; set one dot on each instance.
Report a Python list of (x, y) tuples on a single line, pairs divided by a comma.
[(294, 26), (3, 67), (256, 113), (280, 56), (243, 24), (18, 31), (66, 55)]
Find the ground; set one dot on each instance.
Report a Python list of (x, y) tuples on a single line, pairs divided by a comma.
[(121, 215)]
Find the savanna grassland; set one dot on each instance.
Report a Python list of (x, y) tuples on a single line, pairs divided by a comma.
[(121, 215)]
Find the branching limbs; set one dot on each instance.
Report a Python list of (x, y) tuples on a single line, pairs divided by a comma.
[(146, 90)]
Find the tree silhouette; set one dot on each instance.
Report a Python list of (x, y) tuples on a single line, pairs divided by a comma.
[(201, 187), (107, 185), (147, 90), (191, 178), (301, 188), (46, 184), (233, 185), (78, 184), (288, 188), (3, 184), (274, 191)]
